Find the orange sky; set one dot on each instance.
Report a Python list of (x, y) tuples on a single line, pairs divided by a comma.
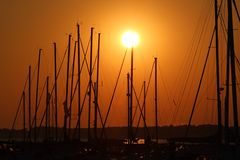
[(165, 28)]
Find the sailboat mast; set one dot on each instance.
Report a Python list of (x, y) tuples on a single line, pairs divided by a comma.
[(71, 90), (47, 110), (79, 82), (95, 109), (96, 88), (55, 85), (90, 86), (131, 97), (144, 110), (156, 104), (66, 112), (29, 102), (128, 108), (24, 116), (36, 105), (218, 74), (231, 51)]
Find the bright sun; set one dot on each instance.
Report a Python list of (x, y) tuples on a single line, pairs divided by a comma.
[(130, 39)]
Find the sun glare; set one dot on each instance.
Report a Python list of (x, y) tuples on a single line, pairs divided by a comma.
[(130, 39)]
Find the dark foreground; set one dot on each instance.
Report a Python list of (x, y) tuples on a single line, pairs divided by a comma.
[(116, 150)]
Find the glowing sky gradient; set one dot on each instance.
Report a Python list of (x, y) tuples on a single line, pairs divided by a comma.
[(166, 28)]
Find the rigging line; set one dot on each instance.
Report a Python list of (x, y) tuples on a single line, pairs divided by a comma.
[(150, 77), (224, 30), (40, 99), (191, 67), (135, 112), (60, 67), (237, 65), (187, 57), (34, 71), (78, 121), (20, 101), (100, 115), (44, 84), (198, 49), (149, 80), (188, 75), (190, 48), (61, 64), (71, 90), (16, 115), (59, 70), (94, 63), (237, 62), (148, 85), (224, 27), (84, 100), (75, 89), (236, 9), (137, 98), (85, 54), (137, 105), (200, 82), (186, 81), (25, 84), (82, 105), (193, 79), (113, 95), (203, 30), (141, 115), (165, 86)]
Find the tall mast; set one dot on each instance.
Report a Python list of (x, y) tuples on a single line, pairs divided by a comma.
[(66, 112), (156, 105), (47, 109), (95, 109), (128, 109), (231, 53), (79, 82), (36, 105), (131, 97), (96, 88), (56, 101), (144, 109), (71, 91), (218, 75), (90, 86), (24, 116), (29, 102), (226, 114)]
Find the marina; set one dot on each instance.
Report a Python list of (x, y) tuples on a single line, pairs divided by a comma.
[(65, 114)]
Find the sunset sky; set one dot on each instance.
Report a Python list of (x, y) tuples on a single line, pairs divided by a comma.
[(168, 29)]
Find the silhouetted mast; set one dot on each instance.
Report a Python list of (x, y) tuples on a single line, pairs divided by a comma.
[(47, 124), (96, 88), (95, 109), (218, 75), (36, 105), (79, 82), (128, 109), (90, 86), (24, 116), (29, 102), (66, 111), (131, 95), (71, 91), (156, 104), (231, 53), (144, 110), (56, 95)]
